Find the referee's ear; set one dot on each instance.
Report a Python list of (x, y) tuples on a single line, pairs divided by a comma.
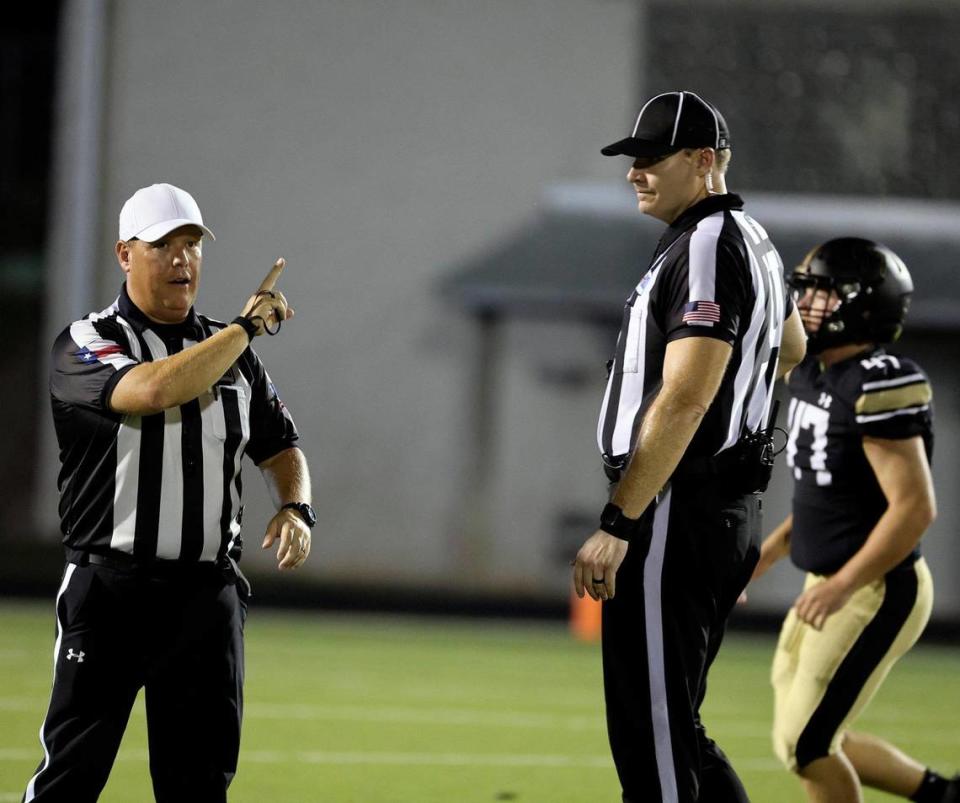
[(122, 249), (706, 159)]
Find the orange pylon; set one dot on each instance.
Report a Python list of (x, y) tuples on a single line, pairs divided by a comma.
[(584, 617)]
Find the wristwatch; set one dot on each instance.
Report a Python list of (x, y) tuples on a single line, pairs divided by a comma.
[(305, 511), (613, 522)]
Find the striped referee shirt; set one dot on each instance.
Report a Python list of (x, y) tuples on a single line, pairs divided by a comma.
[(163, 486), (715, 273)]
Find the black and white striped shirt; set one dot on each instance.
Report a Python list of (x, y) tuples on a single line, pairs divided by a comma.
[(164, 486), (715, 274)]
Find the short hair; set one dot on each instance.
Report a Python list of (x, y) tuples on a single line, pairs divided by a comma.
[(723, 160)]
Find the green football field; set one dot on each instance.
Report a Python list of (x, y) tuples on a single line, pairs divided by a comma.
[(348, 708)]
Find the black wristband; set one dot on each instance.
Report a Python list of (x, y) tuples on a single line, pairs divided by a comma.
[(248, 326), (613, 522)]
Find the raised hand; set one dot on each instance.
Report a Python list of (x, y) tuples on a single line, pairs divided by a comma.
[(268, 308)]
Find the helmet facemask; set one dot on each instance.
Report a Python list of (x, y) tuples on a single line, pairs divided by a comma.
[(831, 309), (851, 290)]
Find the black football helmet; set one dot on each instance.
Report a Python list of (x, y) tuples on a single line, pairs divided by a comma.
[(873, 286)]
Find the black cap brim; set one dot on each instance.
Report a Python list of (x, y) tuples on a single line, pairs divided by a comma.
[(631, 146)]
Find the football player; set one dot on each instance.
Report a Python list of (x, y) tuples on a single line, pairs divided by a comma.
[(859, 448)]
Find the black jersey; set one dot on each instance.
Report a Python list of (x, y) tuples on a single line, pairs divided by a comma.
[(166, 485), (837, 500), (715, 274)]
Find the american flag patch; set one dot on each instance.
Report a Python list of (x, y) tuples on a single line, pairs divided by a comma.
[(92, 355), (701, 313)]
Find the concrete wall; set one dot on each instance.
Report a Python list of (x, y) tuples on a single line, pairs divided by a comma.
[(372, 144), (375, 145)]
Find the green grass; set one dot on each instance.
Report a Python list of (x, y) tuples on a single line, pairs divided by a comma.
[(357, 709)]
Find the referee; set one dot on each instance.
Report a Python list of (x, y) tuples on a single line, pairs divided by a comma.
[(154, 406), (681, 432)]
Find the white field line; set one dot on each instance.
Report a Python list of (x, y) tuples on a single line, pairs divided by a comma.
[(510, 719), (423, 759), (23, 754), (381, 758), (357, 713), (555, 696), (426, 716), (758, 729), (374, 757)]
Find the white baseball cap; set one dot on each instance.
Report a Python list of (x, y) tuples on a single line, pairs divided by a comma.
[(155, 211)]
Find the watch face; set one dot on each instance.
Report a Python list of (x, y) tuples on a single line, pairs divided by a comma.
[(308, 515), (305, 511)]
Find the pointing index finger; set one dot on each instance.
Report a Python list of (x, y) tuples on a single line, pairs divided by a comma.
[(272, 276)]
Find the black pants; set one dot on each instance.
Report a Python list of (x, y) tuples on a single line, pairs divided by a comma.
[(179, 636), (662, 631)]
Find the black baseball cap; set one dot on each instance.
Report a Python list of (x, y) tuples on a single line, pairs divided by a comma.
[(672, 121)]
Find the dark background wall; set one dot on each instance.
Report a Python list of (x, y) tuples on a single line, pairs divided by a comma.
[(850, 98), (28, 60), (386, 148)]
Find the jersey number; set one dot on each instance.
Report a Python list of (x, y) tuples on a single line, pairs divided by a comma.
[(805, 416), (879, 362)]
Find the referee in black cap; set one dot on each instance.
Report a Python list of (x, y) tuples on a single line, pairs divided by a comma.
[(155, 406), (682, 430)]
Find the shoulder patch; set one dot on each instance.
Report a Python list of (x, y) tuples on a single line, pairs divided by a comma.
[(900, 395), (97, 340)]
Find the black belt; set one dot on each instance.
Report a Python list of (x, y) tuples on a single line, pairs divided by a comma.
[(689, 467), (158, 568), (721, 465), (741, 468)]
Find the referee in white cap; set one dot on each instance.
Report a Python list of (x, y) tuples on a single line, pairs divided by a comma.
[(683, 435), (155, 406)]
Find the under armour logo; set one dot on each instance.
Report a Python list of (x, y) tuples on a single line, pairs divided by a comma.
[(78, 655), (825, 400)]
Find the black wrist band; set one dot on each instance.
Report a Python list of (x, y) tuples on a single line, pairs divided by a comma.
[(613, 522), (248, 326)]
